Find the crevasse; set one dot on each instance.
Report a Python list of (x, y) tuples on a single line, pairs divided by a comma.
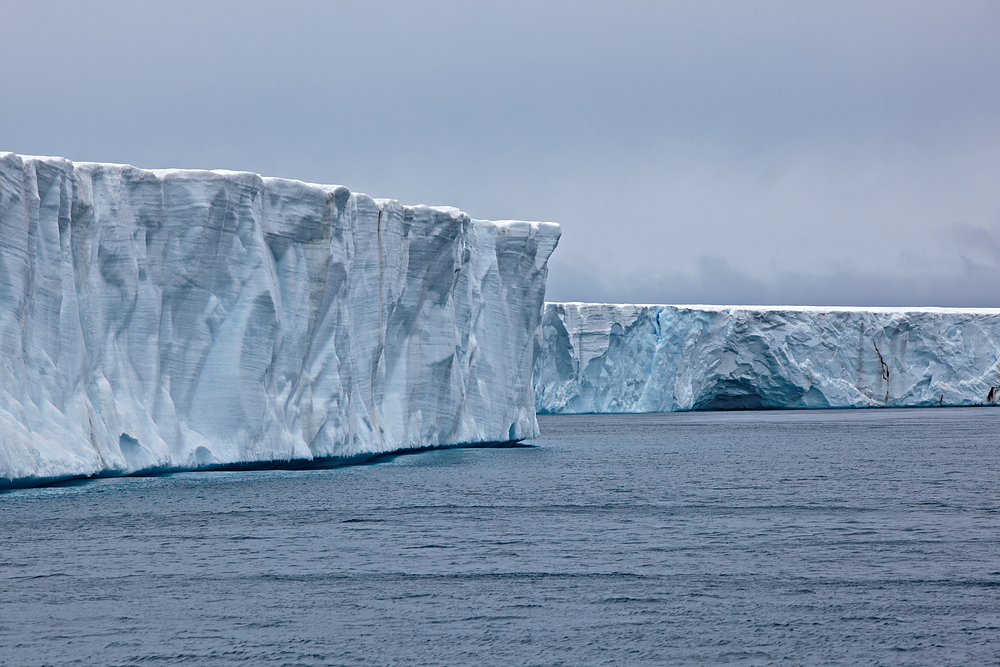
[(156, 320)]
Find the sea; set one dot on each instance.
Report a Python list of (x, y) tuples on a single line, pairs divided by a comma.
[(831, 537)]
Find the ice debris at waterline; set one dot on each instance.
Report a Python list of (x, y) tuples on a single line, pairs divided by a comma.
[(630, 358), (181, 319)]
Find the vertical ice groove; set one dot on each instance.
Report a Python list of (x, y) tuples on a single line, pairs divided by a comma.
[(177, 318), (602, 358)]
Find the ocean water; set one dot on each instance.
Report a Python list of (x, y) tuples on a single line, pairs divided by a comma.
[(752, 538)]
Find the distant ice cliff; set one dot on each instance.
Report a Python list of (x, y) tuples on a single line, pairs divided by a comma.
[(181, 319), (625, 358)]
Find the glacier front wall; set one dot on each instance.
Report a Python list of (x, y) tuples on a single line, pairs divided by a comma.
[(172, 319), (603, 358)]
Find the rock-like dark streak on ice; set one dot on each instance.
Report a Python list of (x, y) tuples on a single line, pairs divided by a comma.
[(156, 320), (603, 358)]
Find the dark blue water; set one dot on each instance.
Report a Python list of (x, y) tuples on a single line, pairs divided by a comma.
[(833, 537)]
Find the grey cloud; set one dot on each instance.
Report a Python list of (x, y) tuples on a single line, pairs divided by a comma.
[(781, 139), (972, 285)]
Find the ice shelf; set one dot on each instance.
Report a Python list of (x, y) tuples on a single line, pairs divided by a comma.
[(598, 358), (158, 320)]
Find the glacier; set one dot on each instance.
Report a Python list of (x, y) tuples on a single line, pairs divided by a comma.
[(606, 358), (157, 320)]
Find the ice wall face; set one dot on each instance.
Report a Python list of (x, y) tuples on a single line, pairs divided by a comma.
[(178, 319), (619, 358)]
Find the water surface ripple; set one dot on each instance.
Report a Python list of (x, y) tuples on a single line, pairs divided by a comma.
[(827, 537)]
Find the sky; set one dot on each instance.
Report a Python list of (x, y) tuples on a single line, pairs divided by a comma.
[(800, 153)]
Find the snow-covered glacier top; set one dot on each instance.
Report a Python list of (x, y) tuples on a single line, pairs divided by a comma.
[(180, 319), (657, 358)]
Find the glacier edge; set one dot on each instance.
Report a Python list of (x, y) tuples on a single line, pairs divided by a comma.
[(180, 319), (606, 358)]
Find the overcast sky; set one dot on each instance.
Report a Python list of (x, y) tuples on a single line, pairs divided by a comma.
[(845, 153)]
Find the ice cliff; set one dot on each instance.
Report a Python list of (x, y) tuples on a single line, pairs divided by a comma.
[(622, 358), (182, 319)]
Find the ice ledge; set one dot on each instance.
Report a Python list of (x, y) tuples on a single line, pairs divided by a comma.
[(292, 464), (598, 358)]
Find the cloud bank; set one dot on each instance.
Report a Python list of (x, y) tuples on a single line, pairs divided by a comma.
[(767, 153)]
